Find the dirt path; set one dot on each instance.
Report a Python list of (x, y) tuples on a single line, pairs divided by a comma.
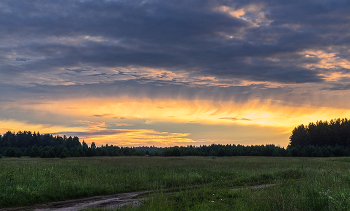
[(109, 202)]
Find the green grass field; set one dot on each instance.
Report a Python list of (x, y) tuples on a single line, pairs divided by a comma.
[(182, 183)]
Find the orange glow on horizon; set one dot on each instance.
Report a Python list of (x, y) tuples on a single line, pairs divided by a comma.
[(97, 115), (15, 126), (142, 138)]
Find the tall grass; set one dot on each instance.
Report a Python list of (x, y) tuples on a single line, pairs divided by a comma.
[(185, 183), (301, 184)]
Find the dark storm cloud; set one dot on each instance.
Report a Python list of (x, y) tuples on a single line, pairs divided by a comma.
[(263, 45)]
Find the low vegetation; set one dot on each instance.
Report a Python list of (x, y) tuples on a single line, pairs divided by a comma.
[(182, 183)]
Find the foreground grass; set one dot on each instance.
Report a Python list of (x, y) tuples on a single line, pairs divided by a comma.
[(184, 183)]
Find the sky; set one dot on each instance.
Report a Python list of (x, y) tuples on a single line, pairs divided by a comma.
[(166, 73)]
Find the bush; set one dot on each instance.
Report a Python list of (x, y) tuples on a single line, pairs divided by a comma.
[(63, 155), (10, 152), (18, 153), (45, 154)]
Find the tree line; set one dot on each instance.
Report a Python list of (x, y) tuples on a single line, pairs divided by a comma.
[(322, 133), (320, 139), (257, 150), (34, 144)]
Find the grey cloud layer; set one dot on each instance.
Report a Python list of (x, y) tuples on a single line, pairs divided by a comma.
[(40, 36)]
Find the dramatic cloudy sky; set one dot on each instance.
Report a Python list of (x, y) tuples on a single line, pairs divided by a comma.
[(164, 73)]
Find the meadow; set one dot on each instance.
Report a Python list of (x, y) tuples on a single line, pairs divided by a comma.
[(182, 183)]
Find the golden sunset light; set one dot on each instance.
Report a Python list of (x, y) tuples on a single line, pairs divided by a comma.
[(122, 120), (235, 73)]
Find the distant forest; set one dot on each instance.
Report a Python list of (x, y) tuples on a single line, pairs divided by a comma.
[(320, 139)]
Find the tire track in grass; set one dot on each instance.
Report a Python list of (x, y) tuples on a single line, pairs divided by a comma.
[(108, 201), (255, 187)]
